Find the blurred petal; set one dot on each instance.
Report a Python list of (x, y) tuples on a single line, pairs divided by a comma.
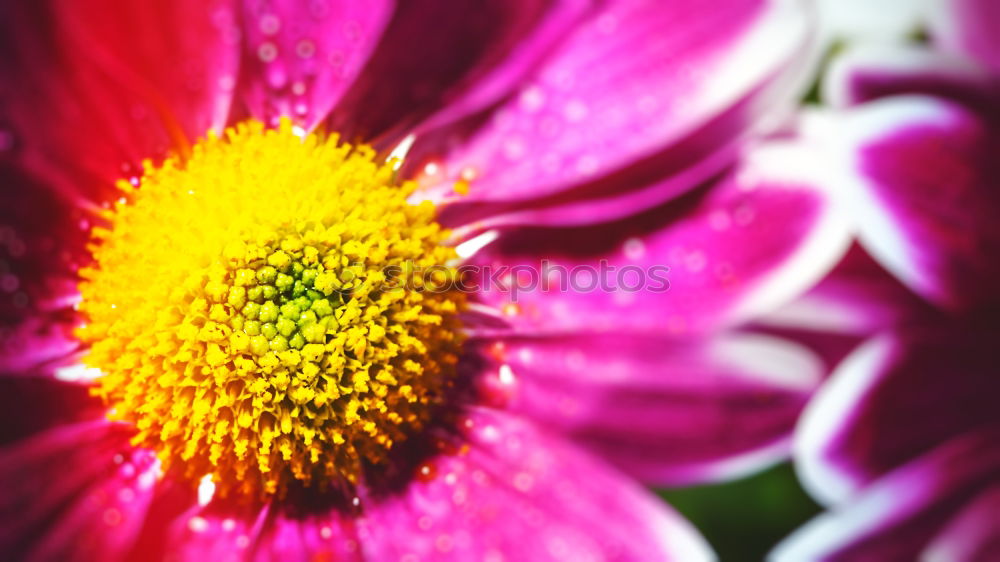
[(923, 174), (857, 298), (455, 56), (255, 533), (891, 401), (519, 494), (79, 492), (302, 56), (863, 74), (641, 91), (897, 516), (752, 242), (30, 405), (973, 534), (41, 243), (969, 27), (669, 411), (88, 89)]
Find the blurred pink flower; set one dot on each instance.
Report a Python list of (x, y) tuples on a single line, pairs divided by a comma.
[(625, 131), (901, 442)]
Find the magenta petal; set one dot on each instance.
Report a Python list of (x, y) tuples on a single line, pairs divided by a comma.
[(670, 412), (75, 493), (857, 298), (519, 494), (867, 73), (892, 400), (302, 56), (635, 81), (262, 534), (974, 534), (923, 173), (969, 27), (91, 88), (331, 536), (449, 56), (750, 243), (897, 517), (31, 405), (41, 245)]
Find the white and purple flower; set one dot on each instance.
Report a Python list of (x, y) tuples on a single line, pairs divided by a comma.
[(628, 132), (901, 444)]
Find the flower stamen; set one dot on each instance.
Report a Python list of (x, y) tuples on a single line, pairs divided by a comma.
[(258, 311)]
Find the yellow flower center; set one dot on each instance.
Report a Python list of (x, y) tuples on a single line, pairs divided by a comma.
[(261, 312)]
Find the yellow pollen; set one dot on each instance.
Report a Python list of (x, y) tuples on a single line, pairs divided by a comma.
[(259, 311)]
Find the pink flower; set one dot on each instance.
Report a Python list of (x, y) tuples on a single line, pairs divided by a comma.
[(616, 133), (901, 442)]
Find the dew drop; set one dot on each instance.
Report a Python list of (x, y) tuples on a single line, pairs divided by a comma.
[(198, 524), (319, 8), (305, 49), (267, 52), (126, 495), (6, 140), (506, 374), (352, 30), (206, 490), (532, 98), (444, 543), (634, 249), (269, 24), (426, 472), (695, 261), (9, 283), (112, 517), (575, 111)]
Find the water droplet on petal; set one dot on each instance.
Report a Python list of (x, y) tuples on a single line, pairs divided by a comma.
[(267, 52), (198, 524), (6, 140), (270, 24), (305, 49)]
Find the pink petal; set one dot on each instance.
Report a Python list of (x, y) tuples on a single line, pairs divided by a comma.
[(41, 245), (895, 518), (659, 86), (91, 88), (301, 57), (75, 493), (857, 298), (922, 173), (971, 535), (752, 242), (453, 58), (31, 405), (253, 533), (863, 74), (512, 493), (670, 412), (519, 494), (969, 27), (891, 401)]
